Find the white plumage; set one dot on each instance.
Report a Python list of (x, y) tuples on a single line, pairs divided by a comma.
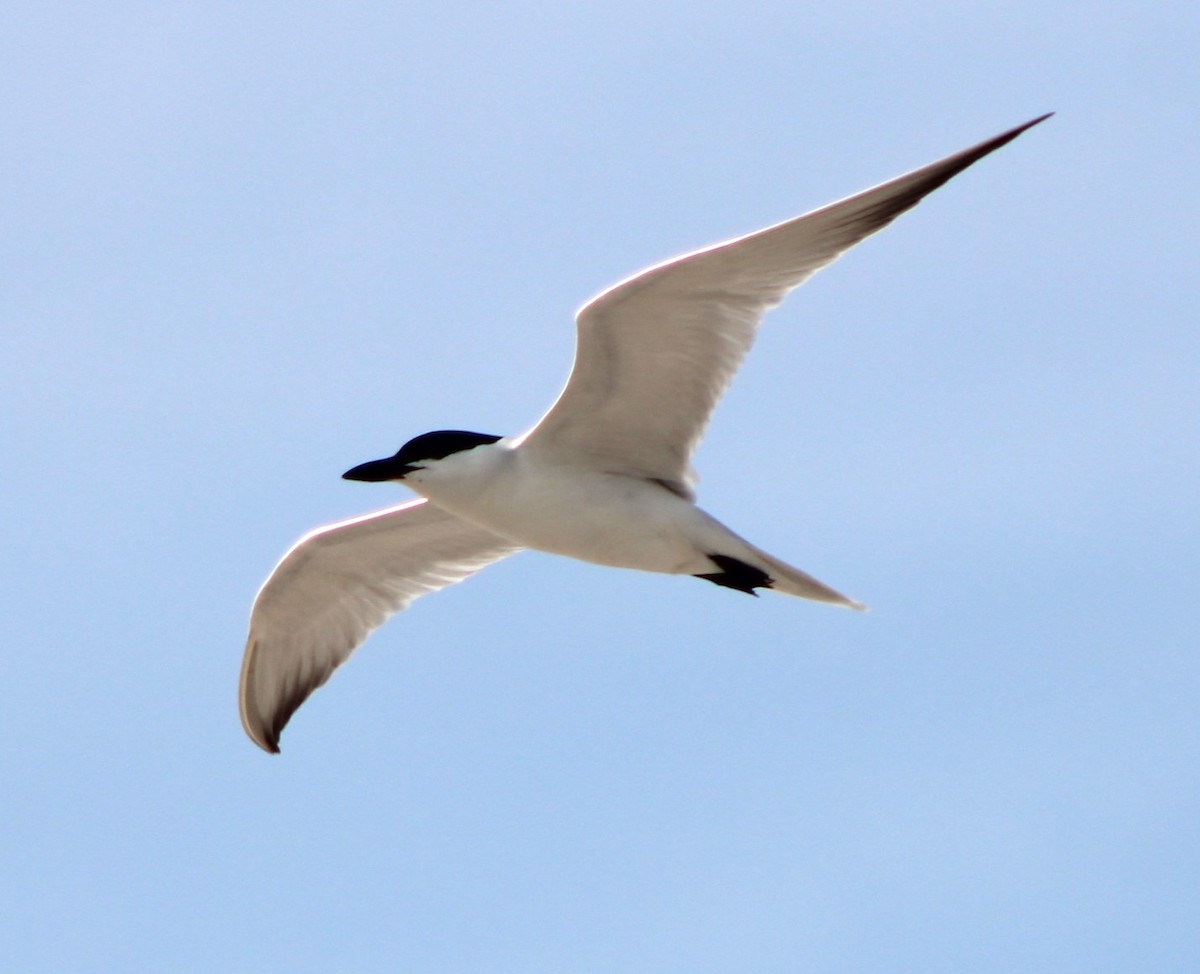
[(604, 476)]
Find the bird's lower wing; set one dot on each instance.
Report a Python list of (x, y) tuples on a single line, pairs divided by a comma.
[(655, 352), (336, 585)]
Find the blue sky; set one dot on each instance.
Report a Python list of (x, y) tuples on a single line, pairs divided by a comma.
[(247, 246)]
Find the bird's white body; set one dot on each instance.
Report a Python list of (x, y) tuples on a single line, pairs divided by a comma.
[(593, 515), (605, 476), (605, 518)]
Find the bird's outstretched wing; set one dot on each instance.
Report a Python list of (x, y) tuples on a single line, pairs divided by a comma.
[(336, 585), (655, 352)]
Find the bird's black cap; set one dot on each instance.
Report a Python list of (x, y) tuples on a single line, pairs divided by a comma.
[(428, 446)]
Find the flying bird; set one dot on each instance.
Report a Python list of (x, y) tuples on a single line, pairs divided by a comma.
[(604, 476)]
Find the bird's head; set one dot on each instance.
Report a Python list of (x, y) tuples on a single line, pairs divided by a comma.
[(419, 453)]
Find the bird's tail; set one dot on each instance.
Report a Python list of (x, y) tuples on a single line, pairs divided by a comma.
[(744, 567), (792, 581)]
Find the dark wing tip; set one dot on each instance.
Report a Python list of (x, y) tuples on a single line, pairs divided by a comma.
[(287, 705), (264, 727), (981, 150), (265, 730), (907, 191), (271, 746), (263, 733)]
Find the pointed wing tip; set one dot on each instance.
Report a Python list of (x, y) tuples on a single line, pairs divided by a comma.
[(266, 729), (992, 144), (1013, 133), (260, 732), (972, 155), (266, 740), (263, 731)]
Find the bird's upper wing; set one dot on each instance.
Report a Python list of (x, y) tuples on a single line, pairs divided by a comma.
[(334, 587), (655, 352)]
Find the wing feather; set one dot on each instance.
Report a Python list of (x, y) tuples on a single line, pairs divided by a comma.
[(334, 587), (655, 352)]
